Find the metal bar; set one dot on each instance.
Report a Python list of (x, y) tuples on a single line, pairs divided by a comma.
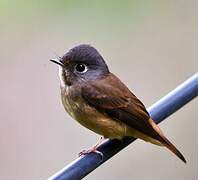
[(159, 111)]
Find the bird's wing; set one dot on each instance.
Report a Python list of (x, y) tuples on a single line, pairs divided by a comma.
[(111, 96)]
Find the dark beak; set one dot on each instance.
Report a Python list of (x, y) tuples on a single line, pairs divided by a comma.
[(58, 61)]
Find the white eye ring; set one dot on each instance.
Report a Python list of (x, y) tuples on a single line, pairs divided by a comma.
[(81, 68)]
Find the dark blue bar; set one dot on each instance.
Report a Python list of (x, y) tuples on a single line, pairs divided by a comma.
[(158, 111)]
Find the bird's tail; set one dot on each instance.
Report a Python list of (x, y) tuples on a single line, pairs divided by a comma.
[(173, 149), (164, 141)]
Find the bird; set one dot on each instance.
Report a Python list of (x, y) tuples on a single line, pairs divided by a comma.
[(101, 102)]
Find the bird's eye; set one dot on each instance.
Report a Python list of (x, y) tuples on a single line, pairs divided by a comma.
[(81, 68)]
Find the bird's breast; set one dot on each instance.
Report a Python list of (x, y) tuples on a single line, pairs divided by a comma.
[(90, 117)]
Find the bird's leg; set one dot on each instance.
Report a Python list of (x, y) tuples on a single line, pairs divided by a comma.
[(93, 149)]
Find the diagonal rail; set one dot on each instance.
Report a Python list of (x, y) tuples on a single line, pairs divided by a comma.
[(163, 108)]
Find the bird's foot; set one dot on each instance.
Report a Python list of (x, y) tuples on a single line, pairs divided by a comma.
[(93, 149)]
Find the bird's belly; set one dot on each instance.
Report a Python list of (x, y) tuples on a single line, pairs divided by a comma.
[(100, 123), (95, 120), (103, 125)]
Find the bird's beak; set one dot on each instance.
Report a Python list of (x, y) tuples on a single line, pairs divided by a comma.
[(58, 61)]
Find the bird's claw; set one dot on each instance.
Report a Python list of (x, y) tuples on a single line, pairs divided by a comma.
[(85, 152)]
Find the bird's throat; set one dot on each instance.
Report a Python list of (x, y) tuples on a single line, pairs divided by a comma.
[(65, 79)]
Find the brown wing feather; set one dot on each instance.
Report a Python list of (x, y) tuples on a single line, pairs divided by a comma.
[(112, 97)]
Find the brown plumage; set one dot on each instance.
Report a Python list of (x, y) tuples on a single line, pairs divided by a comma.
[(98, 100), (122, 105)]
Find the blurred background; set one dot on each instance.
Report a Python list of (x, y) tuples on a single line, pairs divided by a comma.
[(150, 44)]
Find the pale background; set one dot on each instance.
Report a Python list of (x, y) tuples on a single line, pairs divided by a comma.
[(150, 44)]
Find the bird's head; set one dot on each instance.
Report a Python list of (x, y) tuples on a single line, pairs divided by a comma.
[(82, 63)]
